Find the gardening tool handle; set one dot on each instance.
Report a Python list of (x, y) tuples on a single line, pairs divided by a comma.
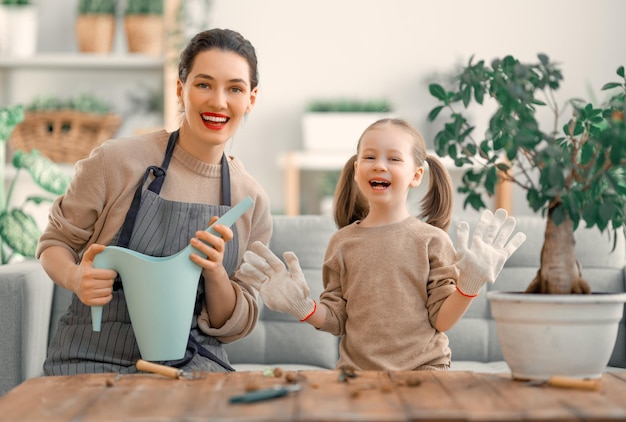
[(155, 368), (568, 382)]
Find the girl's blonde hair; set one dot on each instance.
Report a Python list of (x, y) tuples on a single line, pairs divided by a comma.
[(350, 205)]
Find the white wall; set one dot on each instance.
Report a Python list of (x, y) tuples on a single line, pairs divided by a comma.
[(392, 49)]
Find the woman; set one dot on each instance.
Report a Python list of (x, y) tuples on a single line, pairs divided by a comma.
[(153, 193)]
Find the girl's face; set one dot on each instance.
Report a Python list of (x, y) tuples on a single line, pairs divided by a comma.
[(385, 169), (215, 98)]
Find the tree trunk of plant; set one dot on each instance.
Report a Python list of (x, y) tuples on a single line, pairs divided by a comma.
[(559, 272)]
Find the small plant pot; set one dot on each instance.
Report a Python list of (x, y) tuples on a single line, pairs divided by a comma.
[(18, 30), (144, 34), (335, 131), (95, 33), (542, 335)]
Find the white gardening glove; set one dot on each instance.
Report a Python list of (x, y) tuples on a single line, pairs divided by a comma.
[(283, 290), (483, 261)]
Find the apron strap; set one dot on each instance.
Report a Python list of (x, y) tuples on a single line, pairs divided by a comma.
[(195, 348), (157, 183)]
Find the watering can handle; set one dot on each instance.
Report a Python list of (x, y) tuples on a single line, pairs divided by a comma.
[(228, 219)]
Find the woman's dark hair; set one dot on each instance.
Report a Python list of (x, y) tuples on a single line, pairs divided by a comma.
[(350, 204), (223, 39)]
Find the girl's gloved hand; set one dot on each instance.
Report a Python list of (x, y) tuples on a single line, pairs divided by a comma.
[(483, 261), (283, 289)]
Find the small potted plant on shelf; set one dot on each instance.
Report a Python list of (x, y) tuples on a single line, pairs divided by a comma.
[(143, 24), (95, 26), (19, 233), (18, 28), (574, 172), (336, 125)]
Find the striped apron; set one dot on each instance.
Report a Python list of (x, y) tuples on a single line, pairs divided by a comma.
[(156, 227)]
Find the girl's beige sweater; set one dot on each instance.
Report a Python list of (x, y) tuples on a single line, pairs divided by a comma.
[(384, 287)]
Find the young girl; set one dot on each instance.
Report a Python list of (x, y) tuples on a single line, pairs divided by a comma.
[(393, 284)]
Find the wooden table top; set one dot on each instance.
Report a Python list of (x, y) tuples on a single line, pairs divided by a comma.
[(370, 396)]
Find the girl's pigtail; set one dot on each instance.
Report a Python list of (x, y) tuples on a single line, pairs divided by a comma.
[(437, 204), (349, 203)]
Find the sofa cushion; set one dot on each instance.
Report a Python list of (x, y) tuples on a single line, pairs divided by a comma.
[(26, 293)]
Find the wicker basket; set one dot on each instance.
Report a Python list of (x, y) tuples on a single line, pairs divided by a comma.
[(64, 136)]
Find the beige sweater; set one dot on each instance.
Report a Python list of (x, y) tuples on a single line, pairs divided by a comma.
[(95, 205), (384, 287)]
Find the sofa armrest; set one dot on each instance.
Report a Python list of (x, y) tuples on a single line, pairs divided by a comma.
[(25, 303)]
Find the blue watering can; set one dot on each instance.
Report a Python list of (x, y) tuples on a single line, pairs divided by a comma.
[(160, 309)]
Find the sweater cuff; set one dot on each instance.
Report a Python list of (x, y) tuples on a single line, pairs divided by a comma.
[(236, 325)]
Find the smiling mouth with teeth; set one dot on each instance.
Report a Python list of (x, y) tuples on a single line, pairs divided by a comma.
[(379, 184), (214, 119)]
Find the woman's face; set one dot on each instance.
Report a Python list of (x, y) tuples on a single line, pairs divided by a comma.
[(215, 98)]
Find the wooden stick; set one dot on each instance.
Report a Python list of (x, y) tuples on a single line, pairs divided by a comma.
[(155, 368), (568, 382)]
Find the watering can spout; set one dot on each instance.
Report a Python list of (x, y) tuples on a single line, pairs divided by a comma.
[(96, 317), (153, 299)]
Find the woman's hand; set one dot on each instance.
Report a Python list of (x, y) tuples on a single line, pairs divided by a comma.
[(93, 286), (212, 246)]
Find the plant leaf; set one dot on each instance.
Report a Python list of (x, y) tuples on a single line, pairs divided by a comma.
[(20, 232), (438, 92)]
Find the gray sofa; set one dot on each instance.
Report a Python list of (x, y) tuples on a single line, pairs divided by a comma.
[(30, 305)]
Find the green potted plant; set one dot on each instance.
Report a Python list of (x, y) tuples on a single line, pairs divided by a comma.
[(144, 28), (95, 25), (574, 172), (19, 233), (335, 125), (18, 28)]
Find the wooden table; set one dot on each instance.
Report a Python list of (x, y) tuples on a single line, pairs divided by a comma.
[(371, 396)]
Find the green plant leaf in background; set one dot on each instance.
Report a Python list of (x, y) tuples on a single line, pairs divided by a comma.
[(19, 233), (16, 2), (85, 102), (9, 118), (144, 7), (96, 7), (349, 106), (44, 171)]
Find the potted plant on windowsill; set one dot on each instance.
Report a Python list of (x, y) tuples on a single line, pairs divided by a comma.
[(143, 25), (336, 125), (573, 173), (18, 28), (95, 26)]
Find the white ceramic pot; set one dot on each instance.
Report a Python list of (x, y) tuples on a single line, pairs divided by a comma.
[(18, 30), (543, 335), (334, 132)]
